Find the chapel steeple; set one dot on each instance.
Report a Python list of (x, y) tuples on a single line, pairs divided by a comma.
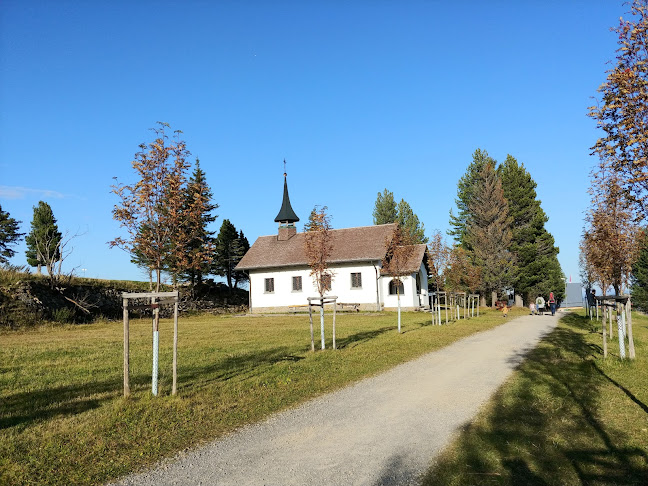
[(286, 216)]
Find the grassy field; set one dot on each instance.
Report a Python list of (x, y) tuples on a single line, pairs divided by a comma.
[(64, 420), (566, 417)]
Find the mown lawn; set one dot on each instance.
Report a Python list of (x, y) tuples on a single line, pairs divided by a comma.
[(64, 420), (566, 417)]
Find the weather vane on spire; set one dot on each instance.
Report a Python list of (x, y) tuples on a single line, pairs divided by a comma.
[(285, 168)]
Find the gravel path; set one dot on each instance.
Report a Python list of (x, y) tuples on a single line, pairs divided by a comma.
[(384, 430)]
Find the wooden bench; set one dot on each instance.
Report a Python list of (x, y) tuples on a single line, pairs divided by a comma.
[(355, 307)]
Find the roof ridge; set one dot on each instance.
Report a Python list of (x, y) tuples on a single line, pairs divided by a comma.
[(341, 229)]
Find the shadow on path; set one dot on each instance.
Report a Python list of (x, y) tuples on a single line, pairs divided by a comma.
[(545, 427)]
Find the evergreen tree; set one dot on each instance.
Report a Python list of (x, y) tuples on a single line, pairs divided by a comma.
[(639, 277), (243, 247), (387, 211), (9, 235), (198, 208), (538, 269), (409, 223), (385, 208), (489, 231), (228, 250), (312, 222), (44, 239), (465, 190)]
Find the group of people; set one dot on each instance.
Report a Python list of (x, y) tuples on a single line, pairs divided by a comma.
[(539, 304)]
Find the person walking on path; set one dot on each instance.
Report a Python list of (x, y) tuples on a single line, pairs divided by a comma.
[(540, 303), (382, 430), (552, 303)]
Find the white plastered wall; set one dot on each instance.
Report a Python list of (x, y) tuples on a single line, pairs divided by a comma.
[(284, 297), (409, 298)]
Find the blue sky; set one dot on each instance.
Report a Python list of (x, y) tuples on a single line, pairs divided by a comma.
[(357, 96)]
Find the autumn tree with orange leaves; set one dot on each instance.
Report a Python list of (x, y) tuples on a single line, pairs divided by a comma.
[(154, 210), (318, 246), (396, 259), (438, 253), (609, 245), (622, 113), (460, 274)]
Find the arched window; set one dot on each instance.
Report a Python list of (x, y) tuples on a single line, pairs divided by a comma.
[(393, 285)]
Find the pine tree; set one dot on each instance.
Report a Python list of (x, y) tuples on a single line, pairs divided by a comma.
[(639, 277), (538, 269), (9, 235), (385, 208), (228, 251), (44, 239), (465, 189), (243, 247), (312, 222), (198, 209), (488, 231), (410, 223)]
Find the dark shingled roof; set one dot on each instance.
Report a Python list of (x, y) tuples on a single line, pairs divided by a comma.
[(286, 213), (366, 243)]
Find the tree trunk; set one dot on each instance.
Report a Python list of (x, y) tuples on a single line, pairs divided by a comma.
[(322, 321), (310, 315), (604, 323), (399, 307)]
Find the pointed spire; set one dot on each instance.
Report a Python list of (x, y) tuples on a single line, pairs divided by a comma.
[(286, 214)]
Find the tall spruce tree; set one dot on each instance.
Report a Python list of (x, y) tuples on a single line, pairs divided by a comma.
[(228, 251), (639, 277), (488, 232), (9, 236), (198, 208), (387, 211), (385, 208), (538, 269), (244, 246), (465, 189), (410, 223), (44, 239)]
